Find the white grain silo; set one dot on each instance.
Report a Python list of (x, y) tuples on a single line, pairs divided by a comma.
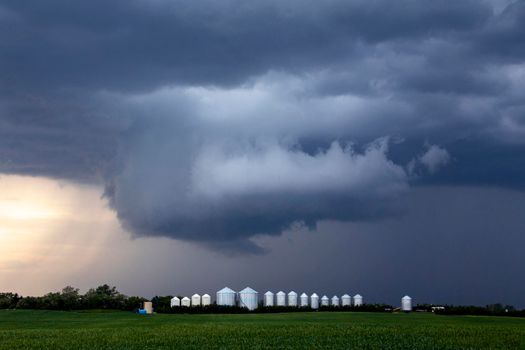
[(248, 298), (195, 300), (175, 302), (304, 300), (335, 301), (314, 301), (325, 301), (292, 298), (358, 300), (206, 300), (406, 303), (281, 299), (346, 300), (268, 298), (226, 297), (185, 301)]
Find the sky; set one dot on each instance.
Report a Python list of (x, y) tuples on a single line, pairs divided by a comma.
[(174, 147)]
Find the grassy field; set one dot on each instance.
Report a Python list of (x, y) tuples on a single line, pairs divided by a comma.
[(22, 329)]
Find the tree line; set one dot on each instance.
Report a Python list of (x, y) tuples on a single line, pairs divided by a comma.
[(69, 298)]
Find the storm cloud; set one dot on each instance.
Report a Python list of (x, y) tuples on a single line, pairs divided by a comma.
[(216, 122)]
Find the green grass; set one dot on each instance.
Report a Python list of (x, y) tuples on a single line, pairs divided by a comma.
[(23, 329)]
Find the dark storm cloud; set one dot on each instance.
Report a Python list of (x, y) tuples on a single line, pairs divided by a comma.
[(218, 121), (143, 44)]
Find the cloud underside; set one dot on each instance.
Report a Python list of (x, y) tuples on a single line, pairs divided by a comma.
[(221, 121)]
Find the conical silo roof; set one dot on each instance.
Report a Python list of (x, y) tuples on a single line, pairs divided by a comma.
[(303, 295), (248, 290), (268, 293), (226, 290)]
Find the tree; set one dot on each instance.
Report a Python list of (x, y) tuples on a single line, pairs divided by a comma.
[(8, 300), (70, 298)]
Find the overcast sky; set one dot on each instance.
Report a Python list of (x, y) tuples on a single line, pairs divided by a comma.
[(171, 147)]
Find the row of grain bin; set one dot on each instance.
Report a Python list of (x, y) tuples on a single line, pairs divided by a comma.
[(196, 300), (249, 299), (280, 300)]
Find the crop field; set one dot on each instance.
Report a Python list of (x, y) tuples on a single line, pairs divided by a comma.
[(23, 329)]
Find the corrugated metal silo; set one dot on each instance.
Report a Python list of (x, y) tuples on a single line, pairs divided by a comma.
[(226, 297), (346, 300), (185, 301), (304, 300), (292, 298), (335, 301), (325, 301), (406, 303), (314, 301), (281, 298), (175, 302), (358, 300), (206, 300), (248, 298), (195, 300), (268, 298)]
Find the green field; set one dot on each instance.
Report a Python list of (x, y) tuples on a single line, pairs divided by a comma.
[(21, 329)]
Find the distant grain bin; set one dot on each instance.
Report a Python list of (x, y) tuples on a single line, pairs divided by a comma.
[(304, 300), (195, 300), (358, 300), (248, 298), (268, 298), (346, 300), (281, 298), (226, 297), (406, 303), (335, 301), (175, 302), (185, 302), (314, 301), (292, 298), (148, 307), (206, 300), (325, 301)]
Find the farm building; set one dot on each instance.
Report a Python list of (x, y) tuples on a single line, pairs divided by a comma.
[(292, 298), (304, 300), (346, 300), (358, 300), (314, 301), (248, 298), (281, 298), (175, 302), (226, 297), (268, 298), (325, 301), (148, 307), (206, 300), (195, 300), (335, 301)]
